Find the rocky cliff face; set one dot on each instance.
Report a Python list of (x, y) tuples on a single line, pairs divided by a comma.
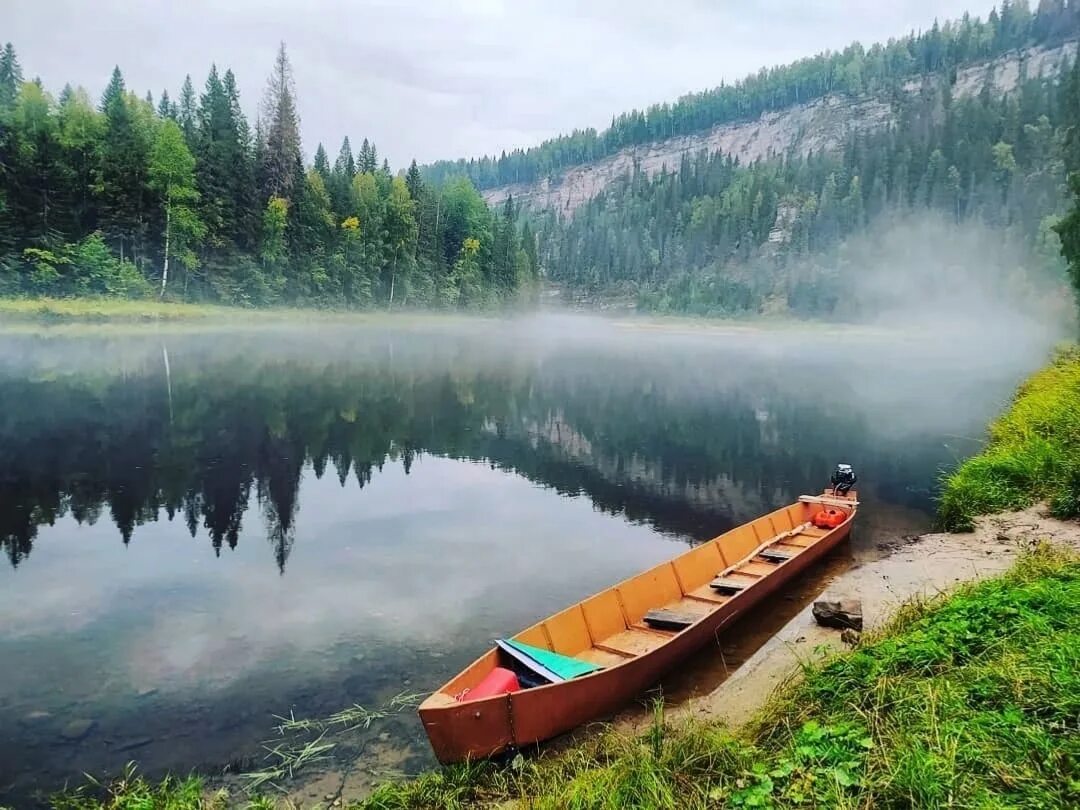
[(803, 128)]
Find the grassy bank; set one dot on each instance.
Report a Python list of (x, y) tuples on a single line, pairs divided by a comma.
[(1033, 452), (971, 700), (59, 310)]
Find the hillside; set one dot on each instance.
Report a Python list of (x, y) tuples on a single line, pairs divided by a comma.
[(823, 123), (926, 173)]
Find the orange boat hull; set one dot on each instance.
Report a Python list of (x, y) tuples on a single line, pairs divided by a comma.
[(607, 628)]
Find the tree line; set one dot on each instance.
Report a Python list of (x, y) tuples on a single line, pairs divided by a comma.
[(185, 200), (880, 69), (713, 236)]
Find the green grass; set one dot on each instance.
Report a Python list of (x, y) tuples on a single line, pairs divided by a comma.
[(109, 309), (967, 701), (970, 700), (133, 792), (1033, 453)]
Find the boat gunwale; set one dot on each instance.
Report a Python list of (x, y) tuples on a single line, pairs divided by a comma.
[(670, 636)]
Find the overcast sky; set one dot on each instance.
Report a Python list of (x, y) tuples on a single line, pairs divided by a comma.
[(446, 78)]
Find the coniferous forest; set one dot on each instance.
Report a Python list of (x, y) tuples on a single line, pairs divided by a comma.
[(794, 233), (184, 199)]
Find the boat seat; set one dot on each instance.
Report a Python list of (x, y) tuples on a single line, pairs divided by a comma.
[(678, 615), (633, 642), (729, 584), (775, 555)]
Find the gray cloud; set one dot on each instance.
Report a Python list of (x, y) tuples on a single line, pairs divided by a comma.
[(446, 79)]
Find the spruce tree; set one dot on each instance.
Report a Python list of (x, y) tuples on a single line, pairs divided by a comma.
[(345, 163), (188, 114), (165, 108), (123, 174), (322, 163), (11, 78), (413, 181), (281, 130)]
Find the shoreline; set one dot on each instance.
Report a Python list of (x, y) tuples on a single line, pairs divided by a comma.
[(913, 568)]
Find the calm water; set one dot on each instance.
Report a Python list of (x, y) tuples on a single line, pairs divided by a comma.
[(204, 530)]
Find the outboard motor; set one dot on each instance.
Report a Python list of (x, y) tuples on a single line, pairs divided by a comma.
[(843, 479)]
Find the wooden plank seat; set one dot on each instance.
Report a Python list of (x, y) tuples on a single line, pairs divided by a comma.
[(665, 619), (776, 555), (728, 584)]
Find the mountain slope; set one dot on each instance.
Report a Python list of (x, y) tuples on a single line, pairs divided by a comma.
[(823, 123)]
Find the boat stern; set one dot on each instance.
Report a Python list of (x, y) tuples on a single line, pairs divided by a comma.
[(471, 729)]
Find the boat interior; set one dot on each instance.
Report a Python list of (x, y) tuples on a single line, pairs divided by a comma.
[(642, 613)]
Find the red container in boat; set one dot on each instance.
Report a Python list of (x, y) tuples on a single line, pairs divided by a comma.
[(499, 681)]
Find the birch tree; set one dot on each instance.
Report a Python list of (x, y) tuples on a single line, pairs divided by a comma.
[(172, 175)]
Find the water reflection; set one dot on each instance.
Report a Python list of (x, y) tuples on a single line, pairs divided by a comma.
[(677, 441), (205, 529)]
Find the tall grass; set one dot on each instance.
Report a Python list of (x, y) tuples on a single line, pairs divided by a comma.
[(133, 792), (1033, 453)]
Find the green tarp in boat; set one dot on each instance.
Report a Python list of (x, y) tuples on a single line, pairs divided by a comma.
[(551, 665)]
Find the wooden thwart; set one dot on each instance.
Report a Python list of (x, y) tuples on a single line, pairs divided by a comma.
[(825, 500), (776, 555), (727, 584), (665, 619)]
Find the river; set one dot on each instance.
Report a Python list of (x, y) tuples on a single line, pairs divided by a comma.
[(202, 528)]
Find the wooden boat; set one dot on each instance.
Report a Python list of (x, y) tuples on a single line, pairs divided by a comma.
[(620, 632)]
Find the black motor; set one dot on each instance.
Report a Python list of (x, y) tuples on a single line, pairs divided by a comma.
[(843, 479)]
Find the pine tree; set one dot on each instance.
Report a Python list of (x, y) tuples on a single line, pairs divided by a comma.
[(123, 175), (11, 78), (413, 181), (368, 159), (165, 108), (345, 165), (188, 114), (242, 182), (341, 180), (281, 129), (322, 163)]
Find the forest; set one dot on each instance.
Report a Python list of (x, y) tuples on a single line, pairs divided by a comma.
[(794, 234), (711, 236), (185, 200), (856, 70)]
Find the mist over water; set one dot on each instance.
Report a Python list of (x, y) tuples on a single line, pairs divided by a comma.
[(206, 527)]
